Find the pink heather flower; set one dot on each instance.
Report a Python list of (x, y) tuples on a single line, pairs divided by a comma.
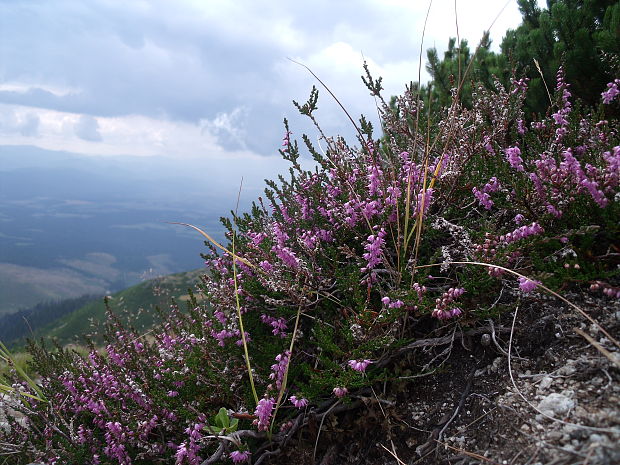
[(519, 218), (374, 250), (420, 290), (396, 304), (444, 314), (483, 198), (287, 256), (488, 146), (527, 285), (238, 456), (266, 266), (492, 186), (278, 324), (278, 369), (181, 453), (513, 155), (340, 391), (559, 118), (263, 412), (441, 310), (612, 92), (359, 365), (521, 233), (385, 301), (299, 403)]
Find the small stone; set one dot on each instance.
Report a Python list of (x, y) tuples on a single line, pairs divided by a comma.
[(556, 404), (568, 369), (545, 383)]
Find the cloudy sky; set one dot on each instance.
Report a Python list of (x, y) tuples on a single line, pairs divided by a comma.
[(207, 78)]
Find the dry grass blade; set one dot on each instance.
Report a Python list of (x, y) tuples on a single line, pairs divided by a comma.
[(598, 347), (555, 294), (543, 80), (215, 243), (470, 454), (393, 454), (6, 355)]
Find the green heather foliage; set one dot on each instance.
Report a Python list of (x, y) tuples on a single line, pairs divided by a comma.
[(335, 269)]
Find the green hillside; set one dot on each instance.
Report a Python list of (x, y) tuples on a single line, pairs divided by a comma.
[(136, 304)]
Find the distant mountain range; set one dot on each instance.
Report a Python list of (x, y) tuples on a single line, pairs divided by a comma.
[(72, 224), (67, 321)]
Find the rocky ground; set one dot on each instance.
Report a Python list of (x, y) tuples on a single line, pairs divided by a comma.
[(555, 401)]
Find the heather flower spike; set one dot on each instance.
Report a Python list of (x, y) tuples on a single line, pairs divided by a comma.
[(359, 365), (263, 411), (240, 456), (527, 285), (299, 403)]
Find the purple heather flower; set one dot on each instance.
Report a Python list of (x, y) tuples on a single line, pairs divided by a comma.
[(278, 369), (441, 310), (299, 403), (513, 155), (519, 218), (266, 266), (527, 285), (483, 198), (340, 391), (263, 412), (359, 365), (287, 256), (492, 186), (612, 92), (385, 300), (444, 314), (374, 250), (238, 456), (278, 324)]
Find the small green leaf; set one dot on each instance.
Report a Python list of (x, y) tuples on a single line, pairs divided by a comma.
[(222, 419)]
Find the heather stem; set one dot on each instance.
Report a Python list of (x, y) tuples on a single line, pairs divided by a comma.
[(285, 377)]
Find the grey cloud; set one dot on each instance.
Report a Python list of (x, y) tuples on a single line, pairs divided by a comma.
[(176, 60), (26, 124), (29, 126), (87, 128)]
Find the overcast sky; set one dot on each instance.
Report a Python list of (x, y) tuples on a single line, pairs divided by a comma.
[(207, 78)]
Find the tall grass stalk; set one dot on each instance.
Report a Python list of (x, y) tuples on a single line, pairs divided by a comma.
[(7, 357), (285, 377)]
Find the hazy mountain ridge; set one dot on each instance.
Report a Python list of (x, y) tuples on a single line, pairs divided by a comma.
[(68, 320), (73, 225)]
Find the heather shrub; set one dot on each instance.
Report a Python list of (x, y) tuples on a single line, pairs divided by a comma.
[(335, 269)]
